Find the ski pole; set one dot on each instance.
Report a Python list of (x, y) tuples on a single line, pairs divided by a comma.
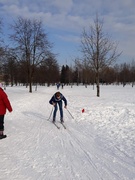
[(50, 114), (70, 113)]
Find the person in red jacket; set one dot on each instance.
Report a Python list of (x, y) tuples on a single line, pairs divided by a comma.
[(4, 105)]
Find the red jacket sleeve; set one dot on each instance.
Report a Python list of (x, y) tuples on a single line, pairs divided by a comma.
[(7, 103), (4, 102)]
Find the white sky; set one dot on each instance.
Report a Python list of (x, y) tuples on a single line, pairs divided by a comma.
[(64, 21)]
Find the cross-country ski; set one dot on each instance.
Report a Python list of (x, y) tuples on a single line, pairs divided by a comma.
[(58, 127), (63, 125)]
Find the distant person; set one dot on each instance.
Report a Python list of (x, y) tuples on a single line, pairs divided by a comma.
[(56, 101), (62, 85), (4, 105), (58, 85)]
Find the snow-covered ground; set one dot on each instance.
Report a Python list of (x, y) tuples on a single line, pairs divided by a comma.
[(98, 144)]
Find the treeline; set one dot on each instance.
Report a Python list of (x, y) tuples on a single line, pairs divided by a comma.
[(16, 72), (119, 74), (30, 59), (50, 73)]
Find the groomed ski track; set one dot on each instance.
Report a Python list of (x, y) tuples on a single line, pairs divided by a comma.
[(36, 150), (35, 156)]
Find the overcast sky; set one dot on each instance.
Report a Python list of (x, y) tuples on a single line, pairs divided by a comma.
[(64, 21)]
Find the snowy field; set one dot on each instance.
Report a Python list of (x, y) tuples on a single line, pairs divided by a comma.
[(98, 144)]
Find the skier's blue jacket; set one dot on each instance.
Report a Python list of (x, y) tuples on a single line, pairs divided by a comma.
[(54, 99)]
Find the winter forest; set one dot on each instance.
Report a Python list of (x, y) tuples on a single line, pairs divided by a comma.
[(29, 59)]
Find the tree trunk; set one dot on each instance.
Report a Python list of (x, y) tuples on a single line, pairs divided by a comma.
[(97, 83), (30, 86), (30, 82), (98, 90)]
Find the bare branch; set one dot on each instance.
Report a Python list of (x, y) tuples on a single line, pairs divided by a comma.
[(98, 50)]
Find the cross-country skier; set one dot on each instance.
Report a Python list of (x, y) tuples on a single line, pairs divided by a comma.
[(4, 104), (56, 101)]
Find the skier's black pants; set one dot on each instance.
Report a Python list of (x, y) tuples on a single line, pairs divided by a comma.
[(1, 122)]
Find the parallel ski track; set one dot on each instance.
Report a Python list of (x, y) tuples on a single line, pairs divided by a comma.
[(100, 170), (98, 162), (104, 159), (81, 148)]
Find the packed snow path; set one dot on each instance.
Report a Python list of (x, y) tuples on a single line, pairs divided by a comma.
[(97, 144)]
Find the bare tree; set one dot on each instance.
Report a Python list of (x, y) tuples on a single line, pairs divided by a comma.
[(1, 24), (1, 48), (98, 50), (31, 43)]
